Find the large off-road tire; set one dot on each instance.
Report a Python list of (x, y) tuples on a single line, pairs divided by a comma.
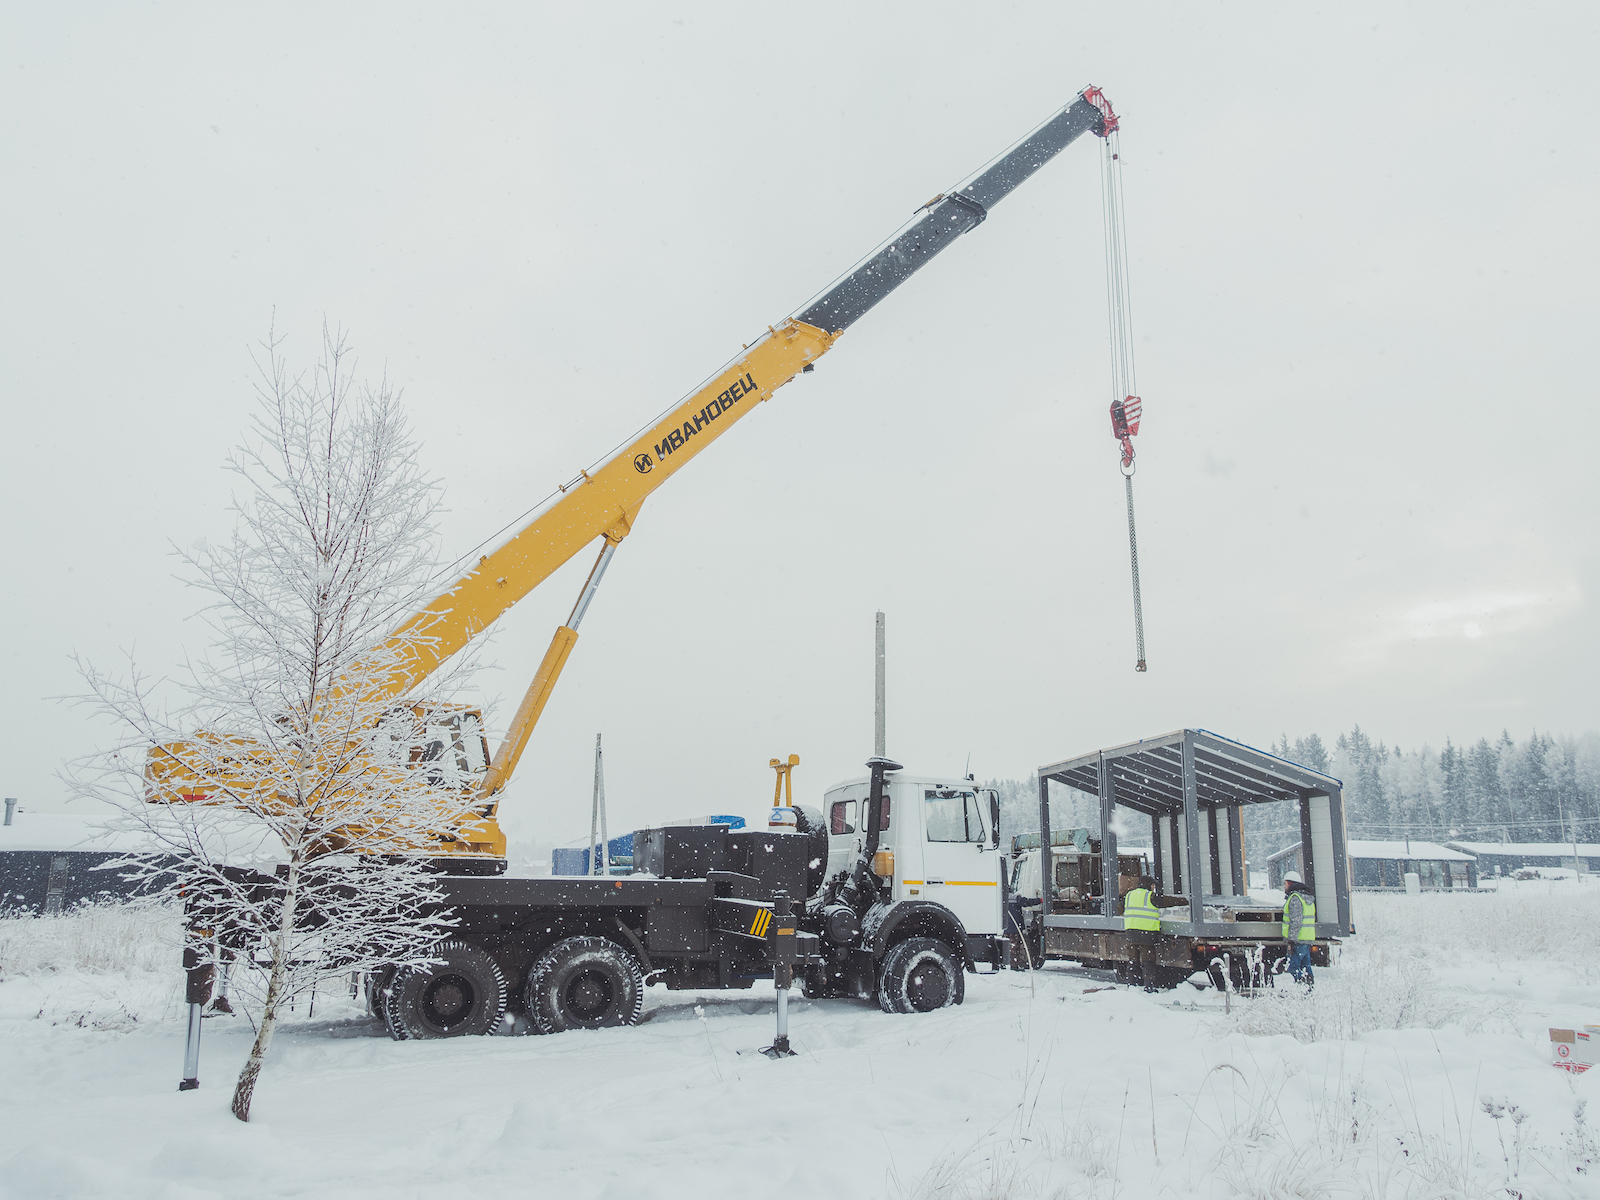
[(919, 975), (585, 983), (463, 993)]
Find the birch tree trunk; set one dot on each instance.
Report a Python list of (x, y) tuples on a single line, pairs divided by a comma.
[(245, 1089)]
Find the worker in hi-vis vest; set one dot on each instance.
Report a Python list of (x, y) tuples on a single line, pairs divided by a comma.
[(1299, 925), (1141, 920)]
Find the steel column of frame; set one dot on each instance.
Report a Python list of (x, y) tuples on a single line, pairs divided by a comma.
[(1308, 866), (1155, 848), (1175, 835), (1047, 870), (1241, 885), (1341, 857), (1108, 843), (1191, 832), (1215, 857)]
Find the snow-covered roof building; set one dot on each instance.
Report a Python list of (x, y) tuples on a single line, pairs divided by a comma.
[(1500, 857), (1383, 865), (63, 831)]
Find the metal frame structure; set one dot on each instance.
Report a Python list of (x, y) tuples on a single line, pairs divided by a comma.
[(1193, 785)]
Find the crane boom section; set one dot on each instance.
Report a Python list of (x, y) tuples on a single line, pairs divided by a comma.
[(606, 502), (602, 504)]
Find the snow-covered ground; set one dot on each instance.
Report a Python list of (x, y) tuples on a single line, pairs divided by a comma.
[(1420, 1067)]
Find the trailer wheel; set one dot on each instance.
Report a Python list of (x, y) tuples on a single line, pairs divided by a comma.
[(585, 983), (919, 975), (463, 993)]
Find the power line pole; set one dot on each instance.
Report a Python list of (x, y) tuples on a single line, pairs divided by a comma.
[(879, 743), (1561, 815), (599, 851)]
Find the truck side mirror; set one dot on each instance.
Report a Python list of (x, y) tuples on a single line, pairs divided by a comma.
[(994, 817)]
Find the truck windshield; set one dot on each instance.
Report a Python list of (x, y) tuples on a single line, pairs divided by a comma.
[(954, 815)]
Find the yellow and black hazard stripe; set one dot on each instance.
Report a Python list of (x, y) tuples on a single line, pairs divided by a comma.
[(758, 926)]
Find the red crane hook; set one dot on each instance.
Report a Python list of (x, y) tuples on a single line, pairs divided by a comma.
[(1125, 416)]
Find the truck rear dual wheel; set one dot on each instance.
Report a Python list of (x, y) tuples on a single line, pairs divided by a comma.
[(463, 993), (919, 975), (585, 983)]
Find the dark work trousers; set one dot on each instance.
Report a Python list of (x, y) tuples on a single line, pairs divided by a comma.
[(1300, 963), (1142, 946)]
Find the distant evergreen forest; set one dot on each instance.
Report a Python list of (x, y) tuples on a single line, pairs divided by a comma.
[(1541, 789)]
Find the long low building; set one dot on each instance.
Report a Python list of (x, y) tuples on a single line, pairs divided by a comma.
[(1501, 858), (50, 862), (1383, 866)]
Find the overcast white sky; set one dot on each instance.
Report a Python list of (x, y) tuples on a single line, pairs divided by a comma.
[(1363, 257)]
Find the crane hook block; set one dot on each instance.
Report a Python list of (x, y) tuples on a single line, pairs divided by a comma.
[(1125, 416)]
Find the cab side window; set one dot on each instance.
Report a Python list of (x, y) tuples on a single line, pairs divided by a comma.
[(953, 815), (843, 817)]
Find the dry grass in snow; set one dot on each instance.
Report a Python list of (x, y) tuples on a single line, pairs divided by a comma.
[(1558, 922), (101, 966)]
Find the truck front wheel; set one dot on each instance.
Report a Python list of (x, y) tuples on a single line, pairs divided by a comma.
[(585, 983), (919, 975)]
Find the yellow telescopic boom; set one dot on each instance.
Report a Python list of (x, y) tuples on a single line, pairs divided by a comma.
[(605, 503)]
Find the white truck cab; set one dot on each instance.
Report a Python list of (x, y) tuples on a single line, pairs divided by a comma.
[(942, 835)]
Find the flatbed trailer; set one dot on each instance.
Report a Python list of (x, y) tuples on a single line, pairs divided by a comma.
[(1192, 786)]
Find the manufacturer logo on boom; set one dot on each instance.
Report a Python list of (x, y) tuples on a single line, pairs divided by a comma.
[(725, 400)]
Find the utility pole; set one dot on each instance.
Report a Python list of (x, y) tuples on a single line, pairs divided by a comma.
[(599, 852), (879, 743), (1561, 815)]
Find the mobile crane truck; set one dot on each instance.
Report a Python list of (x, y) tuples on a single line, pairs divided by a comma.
[(698, 911)]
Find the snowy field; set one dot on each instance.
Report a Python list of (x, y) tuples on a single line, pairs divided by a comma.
[(1420, 1067)]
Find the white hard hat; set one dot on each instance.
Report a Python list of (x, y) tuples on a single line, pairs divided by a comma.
[(1292, 877)]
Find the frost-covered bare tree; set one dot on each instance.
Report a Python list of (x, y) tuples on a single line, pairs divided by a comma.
[(299, 739)]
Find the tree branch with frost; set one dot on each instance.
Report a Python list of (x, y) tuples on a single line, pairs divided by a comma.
[(293, 747)]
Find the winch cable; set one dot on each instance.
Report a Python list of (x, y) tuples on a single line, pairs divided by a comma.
[(1126, 407)]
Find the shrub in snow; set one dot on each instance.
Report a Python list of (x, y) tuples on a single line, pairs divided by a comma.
[(1583, 1151), (1376, 993)]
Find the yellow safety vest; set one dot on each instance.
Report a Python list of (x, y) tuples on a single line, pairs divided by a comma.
[(1308, 918), (1139, 910)]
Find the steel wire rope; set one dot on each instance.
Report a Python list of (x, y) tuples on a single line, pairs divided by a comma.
[(1124, 378)]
